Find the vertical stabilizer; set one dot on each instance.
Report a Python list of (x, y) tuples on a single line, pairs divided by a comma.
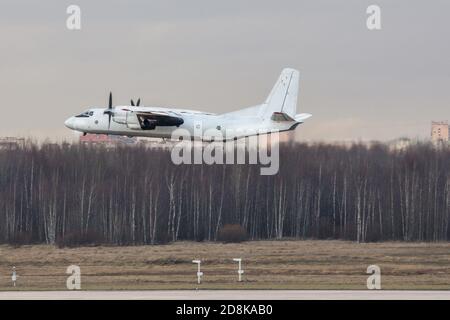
[(283, 97)]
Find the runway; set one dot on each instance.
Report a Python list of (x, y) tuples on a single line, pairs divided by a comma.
[(227, 295)]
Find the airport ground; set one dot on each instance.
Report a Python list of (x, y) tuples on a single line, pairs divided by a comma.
[(299, 265)]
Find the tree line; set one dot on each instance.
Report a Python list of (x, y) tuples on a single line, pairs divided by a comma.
[(132, 195)]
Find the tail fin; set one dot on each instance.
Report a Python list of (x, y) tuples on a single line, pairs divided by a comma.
[(283, 97)]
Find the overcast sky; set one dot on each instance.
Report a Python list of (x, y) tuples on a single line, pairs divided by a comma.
[(219, 56)]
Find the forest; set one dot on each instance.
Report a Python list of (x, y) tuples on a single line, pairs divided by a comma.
[(135, 195)]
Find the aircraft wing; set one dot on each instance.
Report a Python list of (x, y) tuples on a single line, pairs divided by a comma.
[(155, 113)]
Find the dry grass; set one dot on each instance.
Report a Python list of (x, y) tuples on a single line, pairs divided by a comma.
[(267, 265)]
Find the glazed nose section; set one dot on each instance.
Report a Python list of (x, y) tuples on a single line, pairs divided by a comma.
[(70, 123)]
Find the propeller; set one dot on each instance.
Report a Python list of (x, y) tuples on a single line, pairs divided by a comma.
[(138, 102), (109, 110)]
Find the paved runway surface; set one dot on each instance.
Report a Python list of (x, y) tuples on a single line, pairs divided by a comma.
[(226, 295)]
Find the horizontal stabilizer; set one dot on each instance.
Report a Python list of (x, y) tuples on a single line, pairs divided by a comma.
[(302, 117), (281, 116)]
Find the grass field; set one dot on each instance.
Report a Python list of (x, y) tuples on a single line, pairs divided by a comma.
[(267, 265)]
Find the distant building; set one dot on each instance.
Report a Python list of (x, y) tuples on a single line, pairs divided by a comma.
[(11, 142), (439, 131), (108, 140), (156, 143)]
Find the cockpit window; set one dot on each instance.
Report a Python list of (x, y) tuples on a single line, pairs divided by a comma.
[(85, 114)]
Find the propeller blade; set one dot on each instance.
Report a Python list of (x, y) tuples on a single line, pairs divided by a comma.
[(109, 111), (132, 103), (138, 102)]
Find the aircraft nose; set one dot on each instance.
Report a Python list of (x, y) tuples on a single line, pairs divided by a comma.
[(69, 123)]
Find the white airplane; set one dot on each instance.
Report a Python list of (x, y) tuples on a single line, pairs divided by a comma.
[(277, 113)]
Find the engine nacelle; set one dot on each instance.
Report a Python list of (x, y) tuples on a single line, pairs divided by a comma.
[(137, 121), (120, 116), (132, 121)]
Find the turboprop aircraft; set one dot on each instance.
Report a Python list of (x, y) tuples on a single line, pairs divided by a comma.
[(276, 114)]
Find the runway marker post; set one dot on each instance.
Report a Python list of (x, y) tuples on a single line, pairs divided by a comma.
[(14, 276), (240, 271), (199, 273)]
